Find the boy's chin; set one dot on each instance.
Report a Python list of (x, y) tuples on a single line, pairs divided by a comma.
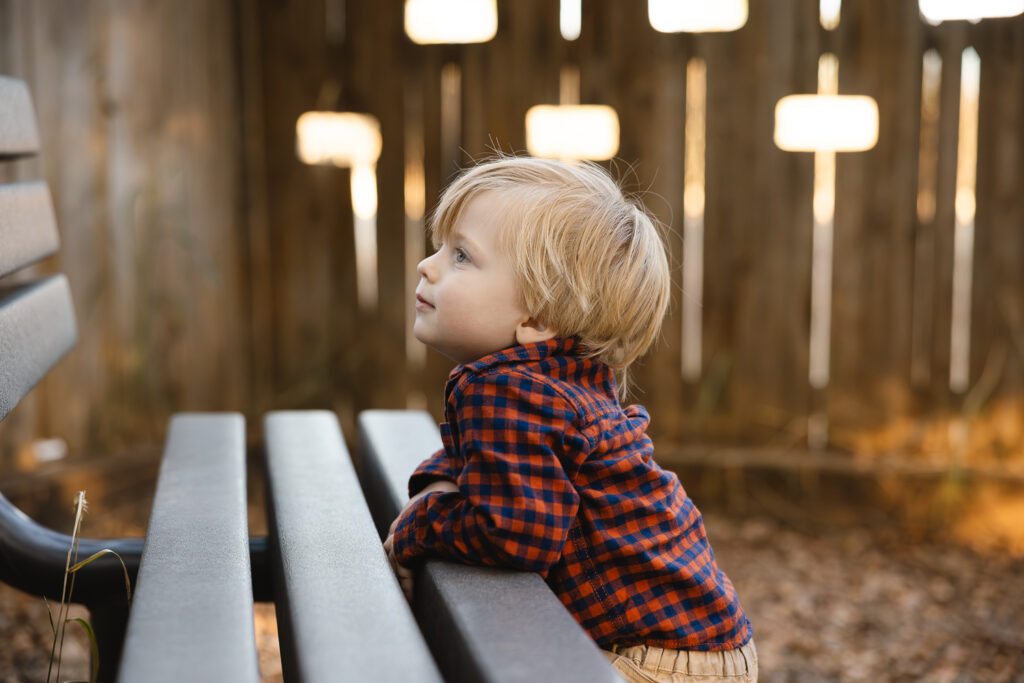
[(444, 351)]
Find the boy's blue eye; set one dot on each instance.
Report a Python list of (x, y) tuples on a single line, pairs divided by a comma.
[(461, 256)]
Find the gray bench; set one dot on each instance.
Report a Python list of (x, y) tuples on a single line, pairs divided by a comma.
[(482, 624), (197, 574)]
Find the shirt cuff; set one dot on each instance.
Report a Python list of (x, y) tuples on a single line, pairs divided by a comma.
[(407, 547), (412, 538), (430, 470)]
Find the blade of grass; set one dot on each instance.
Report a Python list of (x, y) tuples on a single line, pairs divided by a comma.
[(92, 646), (57, 648), (49, 613), (70, 570), (97, 555)]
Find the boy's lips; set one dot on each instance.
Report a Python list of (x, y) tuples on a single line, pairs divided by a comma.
[(422, 304)]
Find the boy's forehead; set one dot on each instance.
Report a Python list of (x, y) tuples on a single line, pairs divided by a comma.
[(481, 221), (487, 205)]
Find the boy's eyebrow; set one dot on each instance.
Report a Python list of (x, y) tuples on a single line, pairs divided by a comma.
[(458, 236)]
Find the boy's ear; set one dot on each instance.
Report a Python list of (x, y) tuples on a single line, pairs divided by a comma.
[(531, 331)]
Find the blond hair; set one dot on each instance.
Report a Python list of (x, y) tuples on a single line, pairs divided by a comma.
[(588, 261)]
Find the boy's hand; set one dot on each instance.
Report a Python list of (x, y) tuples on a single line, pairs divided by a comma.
[(404, 574)]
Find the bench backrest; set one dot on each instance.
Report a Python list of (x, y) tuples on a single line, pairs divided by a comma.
[(37, 327), (37, 320)]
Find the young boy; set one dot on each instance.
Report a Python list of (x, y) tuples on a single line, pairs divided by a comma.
[(546, 282)]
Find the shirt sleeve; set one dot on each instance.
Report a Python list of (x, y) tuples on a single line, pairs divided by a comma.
[(437, 466), (516, 501)]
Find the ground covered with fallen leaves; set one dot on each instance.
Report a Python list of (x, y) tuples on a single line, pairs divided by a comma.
[(827, 605), (854, 605)]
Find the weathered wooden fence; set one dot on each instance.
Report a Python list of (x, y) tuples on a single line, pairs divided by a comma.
[(213, 270)]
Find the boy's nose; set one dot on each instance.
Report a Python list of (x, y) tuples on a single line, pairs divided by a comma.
[(426, 269)]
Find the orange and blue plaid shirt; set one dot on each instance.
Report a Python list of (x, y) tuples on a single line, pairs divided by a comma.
[(554, 476)]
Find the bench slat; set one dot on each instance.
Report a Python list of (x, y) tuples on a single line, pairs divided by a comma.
[(192, 613), (18, 133), (37, 327), (483, 624), (341, 614), (28, 228)]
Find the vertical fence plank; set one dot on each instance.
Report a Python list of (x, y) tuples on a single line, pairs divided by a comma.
[(997, 322), (625, 64), (173, 205), (875, 219), (520, 70), (658, 121), (72, 107), (951, 39), (139, 148), (375, 71), (428, 61), (758, 230), (309, 214), (254, 239)]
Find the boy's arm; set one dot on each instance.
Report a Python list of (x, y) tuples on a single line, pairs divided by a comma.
[(515, 502), (404, 574), (437, 467)]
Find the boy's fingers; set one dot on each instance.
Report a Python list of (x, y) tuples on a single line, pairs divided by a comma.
[(404, 574), (406, 583)]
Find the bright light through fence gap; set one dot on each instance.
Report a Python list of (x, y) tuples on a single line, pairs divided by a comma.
[(826, 121), (824, 204), (828, 74), (696, 16), (821, 268), (364, 190), (828, 13), (693, 217), (415, 234), (451, 117), (569, 85), (415, 206), (963, 235), (588, 131), (837, 123), (451, 21), (937, 11), (928, 155), (570, 18), (364, 211), (415, 189), (924, 243), (344, 139)]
